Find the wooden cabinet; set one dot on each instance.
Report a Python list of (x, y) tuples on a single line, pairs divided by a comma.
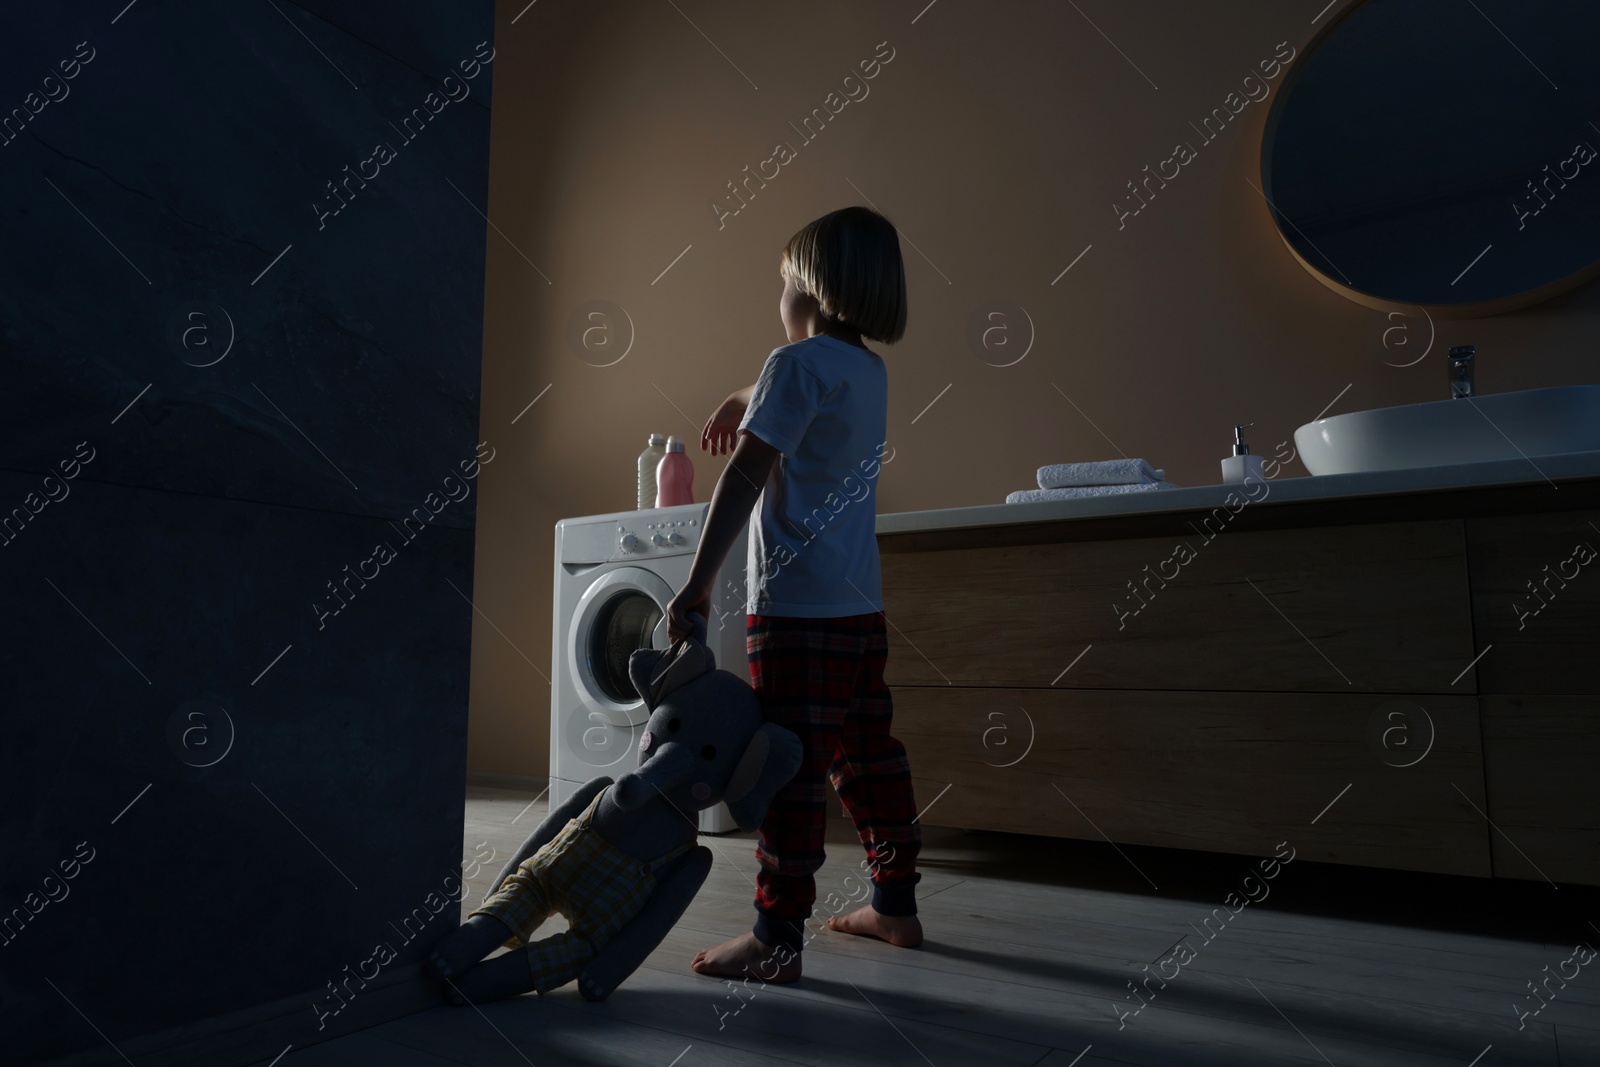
[(1541, 754), (1230, 772), (1536, 603), (1110, 686), (1379, 608)]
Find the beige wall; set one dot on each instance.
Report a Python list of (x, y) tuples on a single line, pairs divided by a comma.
[(997, 139)]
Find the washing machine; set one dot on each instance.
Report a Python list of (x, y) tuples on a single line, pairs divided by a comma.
[(614, 576)]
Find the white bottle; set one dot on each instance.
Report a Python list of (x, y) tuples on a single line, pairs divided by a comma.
[(1241, 465), (649, 459)]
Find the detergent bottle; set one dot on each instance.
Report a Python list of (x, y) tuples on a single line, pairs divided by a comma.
[(649, 459), (674, 476)]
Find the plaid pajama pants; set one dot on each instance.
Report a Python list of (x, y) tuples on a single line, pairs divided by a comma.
[(823, 679), (597, 886)]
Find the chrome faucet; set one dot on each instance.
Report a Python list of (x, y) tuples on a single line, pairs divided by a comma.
[(1461, 375)]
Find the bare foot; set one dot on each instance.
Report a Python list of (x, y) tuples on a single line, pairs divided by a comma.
[(904, 931), (746, 957)]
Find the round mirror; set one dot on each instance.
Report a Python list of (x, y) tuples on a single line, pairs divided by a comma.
[(1443, 153)]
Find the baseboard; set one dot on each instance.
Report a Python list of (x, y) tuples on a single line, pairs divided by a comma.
[(526, 782), (257, 1036)]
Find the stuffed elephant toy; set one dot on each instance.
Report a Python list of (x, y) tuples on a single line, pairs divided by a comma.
[(620, 859)]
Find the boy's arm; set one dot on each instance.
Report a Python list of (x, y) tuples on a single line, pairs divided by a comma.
[(720, 434), (731, 503)]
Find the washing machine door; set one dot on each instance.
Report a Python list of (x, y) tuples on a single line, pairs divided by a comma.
[(623, 610)]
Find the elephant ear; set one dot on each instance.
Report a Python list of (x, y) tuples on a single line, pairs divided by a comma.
[(655, 672), (770, 759)]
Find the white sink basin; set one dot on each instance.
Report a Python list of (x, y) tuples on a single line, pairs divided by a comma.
[(1532, 423)]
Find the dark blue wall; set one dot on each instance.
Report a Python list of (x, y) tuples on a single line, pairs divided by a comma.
[(171, 516)]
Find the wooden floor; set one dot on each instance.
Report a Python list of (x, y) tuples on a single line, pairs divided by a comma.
[(1030, 945)]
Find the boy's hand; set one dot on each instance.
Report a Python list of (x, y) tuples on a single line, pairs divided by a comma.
[(689, 599), (721, 432)]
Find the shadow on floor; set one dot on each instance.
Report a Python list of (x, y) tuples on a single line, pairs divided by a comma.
[(1520, 910)]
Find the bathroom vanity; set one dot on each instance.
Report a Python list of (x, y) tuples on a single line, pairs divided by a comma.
[(1391, 669)]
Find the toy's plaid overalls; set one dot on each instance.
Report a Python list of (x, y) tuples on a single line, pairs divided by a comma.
[(580, 874)]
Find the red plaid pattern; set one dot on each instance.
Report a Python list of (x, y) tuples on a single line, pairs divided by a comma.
[(823, 679)]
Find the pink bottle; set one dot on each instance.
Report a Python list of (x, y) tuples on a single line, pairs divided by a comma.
[(674, 476)]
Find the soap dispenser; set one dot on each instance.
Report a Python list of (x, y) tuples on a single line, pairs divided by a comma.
[(1241, 465)]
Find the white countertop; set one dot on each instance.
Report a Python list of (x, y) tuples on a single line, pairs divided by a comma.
[(1279, 491)]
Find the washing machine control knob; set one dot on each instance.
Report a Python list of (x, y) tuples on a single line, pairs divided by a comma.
[(657, 539), (675, 538), (628, 542)]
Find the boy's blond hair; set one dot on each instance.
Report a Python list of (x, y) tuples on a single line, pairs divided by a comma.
[(849, 261)]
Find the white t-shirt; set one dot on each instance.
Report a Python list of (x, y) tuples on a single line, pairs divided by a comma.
[(813, 549)]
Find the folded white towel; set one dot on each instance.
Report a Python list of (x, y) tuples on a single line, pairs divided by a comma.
[(1075, 492), (1102, 472)]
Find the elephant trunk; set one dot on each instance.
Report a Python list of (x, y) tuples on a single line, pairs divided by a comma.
[(667, 768)]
